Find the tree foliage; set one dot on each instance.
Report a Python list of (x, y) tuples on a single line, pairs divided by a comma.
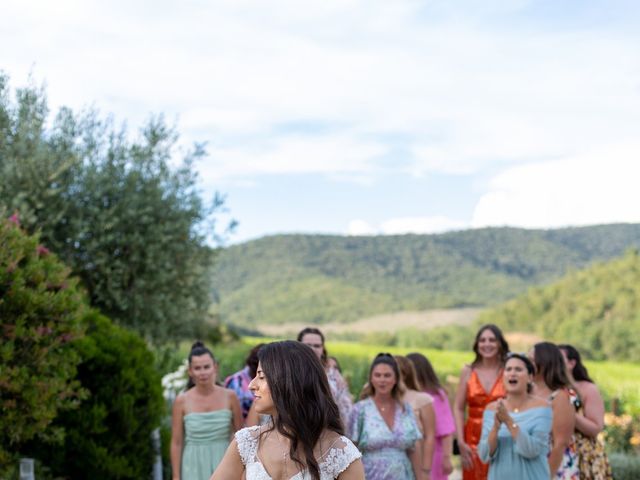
[(595, 309), (131, 225), (109, 435), (320, 278), (40, 313)]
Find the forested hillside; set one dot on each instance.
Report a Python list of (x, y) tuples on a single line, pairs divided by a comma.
[(320, 278), (596, 310)]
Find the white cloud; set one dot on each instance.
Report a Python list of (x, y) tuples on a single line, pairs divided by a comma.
[(329, 154), (592, 188), (360, 227), (465, 91), (402, 225)]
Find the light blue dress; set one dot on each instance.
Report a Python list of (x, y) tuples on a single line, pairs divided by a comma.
[(524, 458), (384, 451)]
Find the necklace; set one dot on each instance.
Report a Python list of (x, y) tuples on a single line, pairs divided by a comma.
[(383, 408), (517, 409), (285, 454)]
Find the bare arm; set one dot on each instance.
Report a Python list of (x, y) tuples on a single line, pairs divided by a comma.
[(177, 437), (355, 471), (591, 422), (231, 467), (564, 421), (236, 412), (428, 417), (415, 456), (459, 405), (447, 450)]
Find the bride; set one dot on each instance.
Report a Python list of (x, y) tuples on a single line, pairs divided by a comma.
[(306, 440)]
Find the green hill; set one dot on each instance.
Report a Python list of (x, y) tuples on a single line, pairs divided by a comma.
[(596, 309), (321, 278)]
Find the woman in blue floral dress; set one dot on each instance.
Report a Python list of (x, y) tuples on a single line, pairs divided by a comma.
[(384, 428)]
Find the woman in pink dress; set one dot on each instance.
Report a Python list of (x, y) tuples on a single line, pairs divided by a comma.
[(445, 426)]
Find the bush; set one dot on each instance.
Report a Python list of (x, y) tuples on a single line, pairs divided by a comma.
[(624, 466), (40, 313), (109, 436)]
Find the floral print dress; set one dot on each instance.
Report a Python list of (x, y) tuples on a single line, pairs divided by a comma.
[(569, 468), (384, 449)]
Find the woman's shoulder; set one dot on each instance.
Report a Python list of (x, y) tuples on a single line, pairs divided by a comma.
[(362, 402), (229, 392), (250, 432), (339, 452), (537, 402), (247, 442), (587, 389), (422, 399)]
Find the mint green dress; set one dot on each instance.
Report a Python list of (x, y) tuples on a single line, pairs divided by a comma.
[(206, 438)]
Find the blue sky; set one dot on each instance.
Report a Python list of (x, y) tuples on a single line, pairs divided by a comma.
[(354, 117)]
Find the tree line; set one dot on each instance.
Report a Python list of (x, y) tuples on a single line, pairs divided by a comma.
[(322, 278)]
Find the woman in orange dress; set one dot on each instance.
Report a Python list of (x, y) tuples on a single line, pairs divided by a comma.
[(480, 384)]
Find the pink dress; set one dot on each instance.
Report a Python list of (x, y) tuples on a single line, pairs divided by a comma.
[(445, 425)]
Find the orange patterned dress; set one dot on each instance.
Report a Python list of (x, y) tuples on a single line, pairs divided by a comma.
[(477, 400)]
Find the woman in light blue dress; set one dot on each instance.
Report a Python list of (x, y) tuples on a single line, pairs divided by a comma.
[(516, 430), (204, 419), (383, 427)]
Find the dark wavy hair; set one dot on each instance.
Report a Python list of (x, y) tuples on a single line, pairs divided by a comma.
[(425, 373), (579, 372), (398, 389), (197, 349), (302, 399), (252, 360), (550, 365), (315, 331), (502, 343)]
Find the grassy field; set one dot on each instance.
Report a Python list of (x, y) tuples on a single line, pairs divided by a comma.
[(616, 380), (424, 320)]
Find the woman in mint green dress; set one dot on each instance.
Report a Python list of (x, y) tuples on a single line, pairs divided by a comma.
[(516, 429), (205, 417)]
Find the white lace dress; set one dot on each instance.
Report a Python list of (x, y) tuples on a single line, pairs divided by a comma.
[(333, 462)]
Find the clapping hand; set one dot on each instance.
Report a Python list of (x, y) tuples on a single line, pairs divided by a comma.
[(502, 414)]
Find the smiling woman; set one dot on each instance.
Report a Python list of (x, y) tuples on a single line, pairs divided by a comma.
[(305, 441), (480, 384), (384, 427)]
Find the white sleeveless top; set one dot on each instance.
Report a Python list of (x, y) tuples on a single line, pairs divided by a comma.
[(335, 461)]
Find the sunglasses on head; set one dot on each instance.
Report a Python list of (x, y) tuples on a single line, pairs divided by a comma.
[(384, 354)]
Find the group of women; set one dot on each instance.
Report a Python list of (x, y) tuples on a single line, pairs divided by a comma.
[(534, 416)]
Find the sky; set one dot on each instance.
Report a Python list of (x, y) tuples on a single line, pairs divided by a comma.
[(358, 118)]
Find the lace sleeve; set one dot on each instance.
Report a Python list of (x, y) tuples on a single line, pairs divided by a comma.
[(247, 440), (339, 457)]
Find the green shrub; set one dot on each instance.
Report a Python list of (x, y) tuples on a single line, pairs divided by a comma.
[(40, 313), (109, 436), (625, 466)]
